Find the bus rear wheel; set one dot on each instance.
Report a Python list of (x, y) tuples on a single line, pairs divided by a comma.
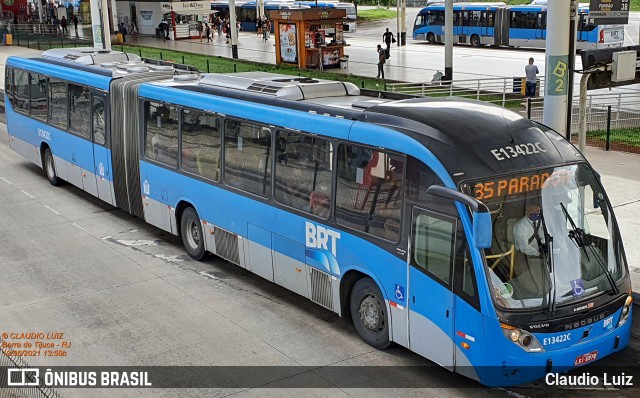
[(191, 233), (369, 313), (49, 167), (475, 41), (431, 38)]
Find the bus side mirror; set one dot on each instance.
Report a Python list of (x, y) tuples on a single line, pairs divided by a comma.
[(482, 227)]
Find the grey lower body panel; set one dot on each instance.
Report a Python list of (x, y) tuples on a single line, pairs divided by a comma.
[(28, 151)]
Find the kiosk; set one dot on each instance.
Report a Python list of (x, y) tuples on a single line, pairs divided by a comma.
[(311, 38)]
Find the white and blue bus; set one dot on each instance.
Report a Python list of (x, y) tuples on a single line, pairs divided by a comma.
[(403, 214), (497, 24)]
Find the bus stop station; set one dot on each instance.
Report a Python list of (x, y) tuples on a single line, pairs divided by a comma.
[(310, 38)]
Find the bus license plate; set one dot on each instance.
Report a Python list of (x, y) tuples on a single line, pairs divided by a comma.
[(584, 358)]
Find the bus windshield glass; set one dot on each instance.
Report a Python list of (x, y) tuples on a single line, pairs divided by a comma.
[(555, 241)]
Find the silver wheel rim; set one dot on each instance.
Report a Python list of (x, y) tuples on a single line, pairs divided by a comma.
[(371, 314), (51, 172), (193, 234)]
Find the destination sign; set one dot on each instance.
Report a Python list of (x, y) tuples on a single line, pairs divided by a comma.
[(604, 12)]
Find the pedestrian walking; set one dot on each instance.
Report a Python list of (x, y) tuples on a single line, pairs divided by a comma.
[(63, 25), (227, 29), (56, 25), (200, 29), (266, 29), (74, 19), (387, 38), (530, 71), (207, 32), (133, 30), (218, 24), (381, 61)]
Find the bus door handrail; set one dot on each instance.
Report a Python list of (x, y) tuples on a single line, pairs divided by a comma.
[(511, 253)]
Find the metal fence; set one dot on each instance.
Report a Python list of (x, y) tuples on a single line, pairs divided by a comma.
[(41, 36), (507, 92), (613, 119), (37, 390)]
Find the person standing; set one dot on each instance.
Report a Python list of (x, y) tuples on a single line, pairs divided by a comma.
[(74, 19), (207, 32), (63, 25), (531, 71), (387, 38), (381, 60)]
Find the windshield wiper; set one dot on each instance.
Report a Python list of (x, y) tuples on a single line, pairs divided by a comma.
[(546, 250), (580, 238)]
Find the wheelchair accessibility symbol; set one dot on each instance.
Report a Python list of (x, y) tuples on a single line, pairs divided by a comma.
[(577, 287), (399, 293)]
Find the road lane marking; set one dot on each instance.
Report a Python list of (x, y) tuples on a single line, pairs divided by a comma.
[(52, 210), (5, 180), (27, 193), (79, 227)]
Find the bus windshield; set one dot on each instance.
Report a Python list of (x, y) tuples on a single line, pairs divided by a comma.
[(555, 241)]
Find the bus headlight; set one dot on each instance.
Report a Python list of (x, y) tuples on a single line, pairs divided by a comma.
[(523, 339), (626, 310)]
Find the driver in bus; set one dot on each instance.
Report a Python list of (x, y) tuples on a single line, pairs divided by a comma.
[(528, 232)]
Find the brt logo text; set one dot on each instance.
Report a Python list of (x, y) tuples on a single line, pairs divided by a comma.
[(319, 237)]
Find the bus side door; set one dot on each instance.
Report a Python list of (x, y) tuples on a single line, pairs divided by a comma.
[(431, 300), (101, 152)]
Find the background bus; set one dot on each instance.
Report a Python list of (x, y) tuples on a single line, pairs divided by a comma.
[(497, 24), (350, 24), (402, 214)]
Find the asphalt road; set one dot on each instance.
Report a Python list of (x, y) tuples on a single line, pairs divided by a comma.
[(125, 293)]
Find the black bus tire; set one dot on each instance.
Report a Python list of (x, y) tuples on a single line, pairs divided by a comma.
[(431, 38), (49, 166), (369, 313), (475, 41), (191, 233)]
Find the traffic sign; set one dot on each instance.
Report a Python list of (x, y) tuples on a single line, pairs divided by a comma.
[(604, 12)]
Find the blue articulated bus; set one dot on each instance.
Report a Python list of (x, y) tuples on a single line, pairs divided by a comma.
[(472, 236), (497, 24)]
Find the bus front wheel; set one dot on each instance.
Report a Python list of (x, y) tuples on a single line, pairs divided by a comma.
[(431, 38), (369, 313), (50, 168), (191, 232), (475, 41)]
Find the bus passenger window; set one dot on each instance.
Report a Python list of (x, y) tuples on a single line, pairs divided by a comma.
[(21, 90), (303, 172), (58, 102), (98, 120), (80, 110), (161, 133), (370, 191), (8, 84), (433, 246), (38, 91), (247, 161), (201, 144)]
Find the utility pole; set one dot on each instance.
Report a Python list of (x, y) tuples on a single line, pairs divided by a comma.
[(557, 65), (572, 64), (402, 39), (233, 29), (448, 40), (100, 16)]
